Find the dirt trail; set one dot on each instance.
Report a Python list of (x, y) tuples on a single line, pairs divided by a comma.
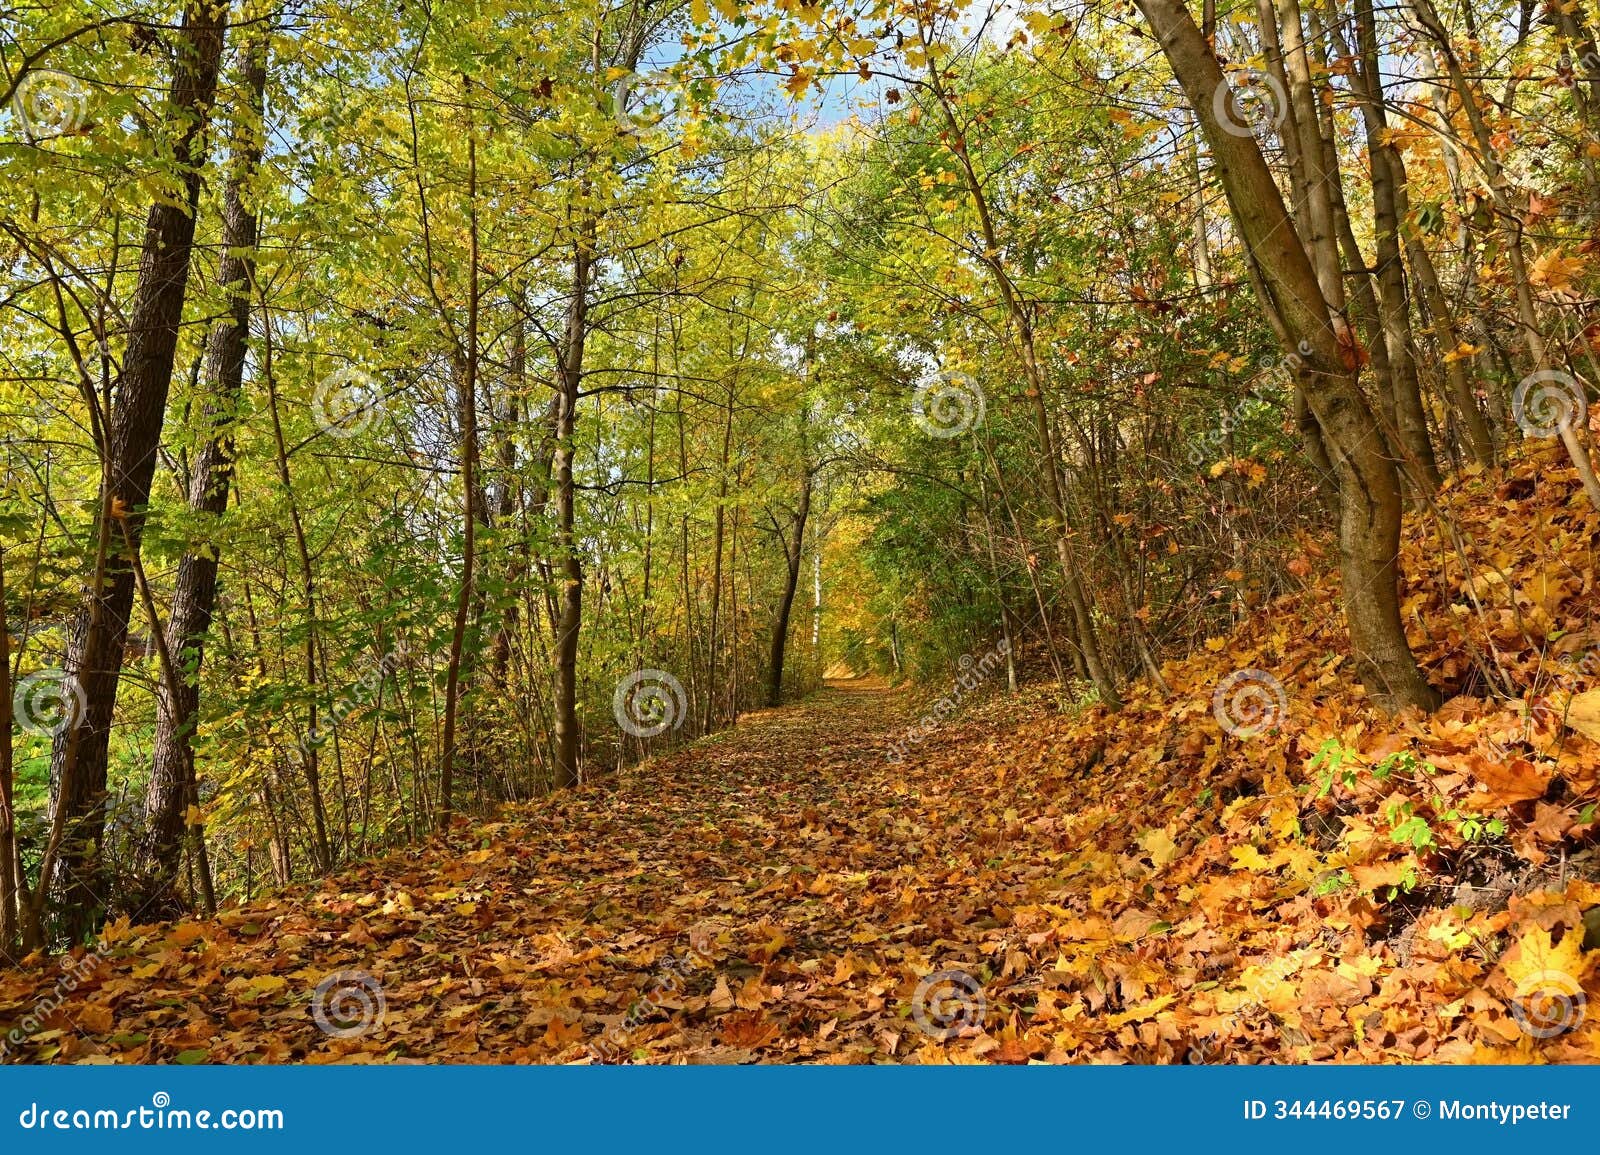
[(724, 881)]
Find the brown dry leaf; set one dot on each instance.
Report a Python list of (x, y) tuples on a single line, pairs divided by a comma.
[(748, 1029), (1554, 271), (1504, 783), (721, 998)]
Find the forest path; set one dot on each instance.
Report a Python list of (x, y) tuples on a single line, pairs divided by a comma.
[(774, 891)]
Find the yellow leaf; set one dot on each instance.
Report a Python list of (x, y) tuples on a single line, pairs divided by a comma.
[(1147, 1010), (1555, 271), (1159, 846), (1247, 857), (1583, 714), (1536, 962)]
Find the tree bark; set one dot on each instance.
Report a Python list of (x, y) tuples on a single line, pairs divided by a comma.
[(467, 399), (79, 755), (172, 772), (569, 620), (1369, 494), (11, 897), (794, 554), (1382, 302), (1388, 216)]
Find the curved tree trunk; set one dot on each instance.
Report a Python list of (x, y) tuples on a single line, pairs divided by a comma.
[(1369, 493)]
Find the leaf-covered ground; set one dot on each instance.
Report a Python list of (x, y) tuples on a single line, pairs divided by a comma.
[(1147, 887)]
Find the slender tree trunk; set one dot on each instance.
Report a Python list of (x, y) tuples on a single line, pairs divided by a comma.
[(172, 772), (1388, 205), (79, 755), (1202, 241), (311, 761), (1511, 231), (467, 390), (1082, 620), (794, 554), (569, 618), (10, 889), (718, 533), (507, 498), (1379, 303)]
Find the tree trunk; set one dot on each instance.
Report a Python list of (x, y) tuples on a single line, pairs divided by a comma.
[(1388, 213), (467, 398), (1369, 494), (569, 620), (79, 755), (172, 773), (1082, 621), (718, 536), (794, 553), (11, 897), (1382, 302)]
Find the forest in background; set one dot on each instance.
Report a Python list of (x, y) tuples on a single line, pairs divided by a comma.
[(409, 409)]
